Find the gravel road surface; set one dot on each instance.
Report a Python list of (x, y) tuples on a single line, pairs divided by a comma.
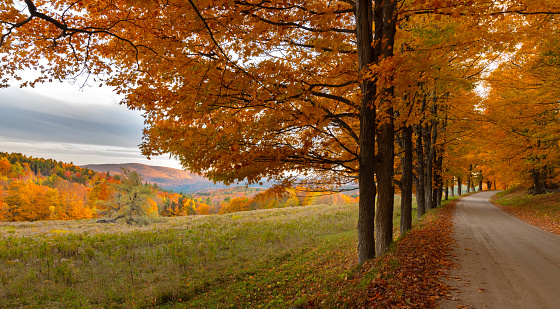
[(502, 262)]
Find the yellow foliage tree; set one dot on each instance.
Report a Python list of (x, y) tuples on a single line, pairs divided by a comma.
[(27, 201), (202, 209)]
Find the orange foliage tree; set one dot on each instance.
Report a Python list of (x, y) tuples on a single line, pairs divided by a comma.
[(522, 111), (5, 167), (2, 209), (27, 201)]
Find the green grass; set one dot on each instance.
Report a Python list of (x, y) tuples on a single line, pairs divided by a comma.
[(260, 259), (397, 213), (517, 196), (541, 205), (268, 257)]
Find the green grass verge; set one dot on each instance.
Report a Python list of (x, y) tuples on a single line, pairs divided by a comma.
[(542, 210)]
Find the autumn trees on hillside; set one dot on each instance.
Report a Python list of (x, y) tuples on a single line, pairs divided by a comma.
[(26, 196), (245, 90)]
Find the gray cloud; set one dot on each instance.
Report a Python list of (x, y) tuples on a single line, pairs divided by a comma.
[(27, 115), (84, 128)]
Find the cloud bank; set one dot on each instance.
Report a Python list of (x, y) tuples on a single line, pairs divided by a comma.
[(71, 127)]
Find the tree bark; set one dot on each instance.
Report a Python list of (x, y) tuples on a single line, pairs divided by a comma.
[(428, 165), (438, 177), (459, 186), (384, 16), (368, 128), (538, 189), (420, 186), (386, 191), (406, 180), (434, 198), (429, 149)]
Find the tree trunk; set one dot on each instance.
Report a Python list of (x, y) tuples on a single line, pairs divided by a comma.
[(480, 186), (367, 164), (446, 191), (384, 17), (386, 191), (429, 165), (406, 187), (459, 186), (452, 188), (420, 186), (538, 189), (438, 177), (430, 150), (468, 184), (434, 197)]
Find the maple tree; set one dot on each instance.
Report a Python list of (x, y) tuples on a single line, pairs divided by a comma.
[(2, 209), (26, 201)]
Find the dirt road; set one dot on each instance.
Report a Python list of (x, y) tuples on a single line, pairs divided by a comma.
[(502, 262)]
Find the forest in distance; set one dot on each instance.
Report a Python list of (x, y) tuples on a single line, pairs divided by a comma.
[(34, 189)]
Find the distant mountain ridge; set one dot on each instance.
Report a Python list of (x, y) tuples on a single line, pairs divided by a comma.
[(165, 177)]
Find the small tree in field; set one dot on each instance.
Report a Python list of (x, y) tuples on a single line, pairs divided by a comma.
[(131, 200)]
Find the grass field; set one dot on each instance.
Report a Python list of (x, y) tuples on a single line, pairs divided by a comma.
[(244, 259), (266, 258)]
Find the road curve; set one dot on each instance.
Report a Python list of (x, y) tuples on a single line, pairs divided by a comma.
[(502, 262)]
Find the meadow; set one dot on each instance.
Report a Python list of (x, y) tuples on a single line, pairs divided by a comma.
[(231, 260)]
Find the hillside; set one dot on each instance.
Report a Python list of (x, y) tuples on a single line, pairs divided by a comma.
[(34, 189), (165, 177)]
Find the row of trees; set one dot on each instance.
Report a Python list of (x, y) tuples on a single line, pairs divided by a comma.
[(17, 163), (521, 115), (287, 198), (178, 204), (340, 92)]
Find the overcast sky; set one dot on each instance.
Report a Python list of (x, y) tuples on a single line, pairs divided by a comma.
[(69, 124)]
